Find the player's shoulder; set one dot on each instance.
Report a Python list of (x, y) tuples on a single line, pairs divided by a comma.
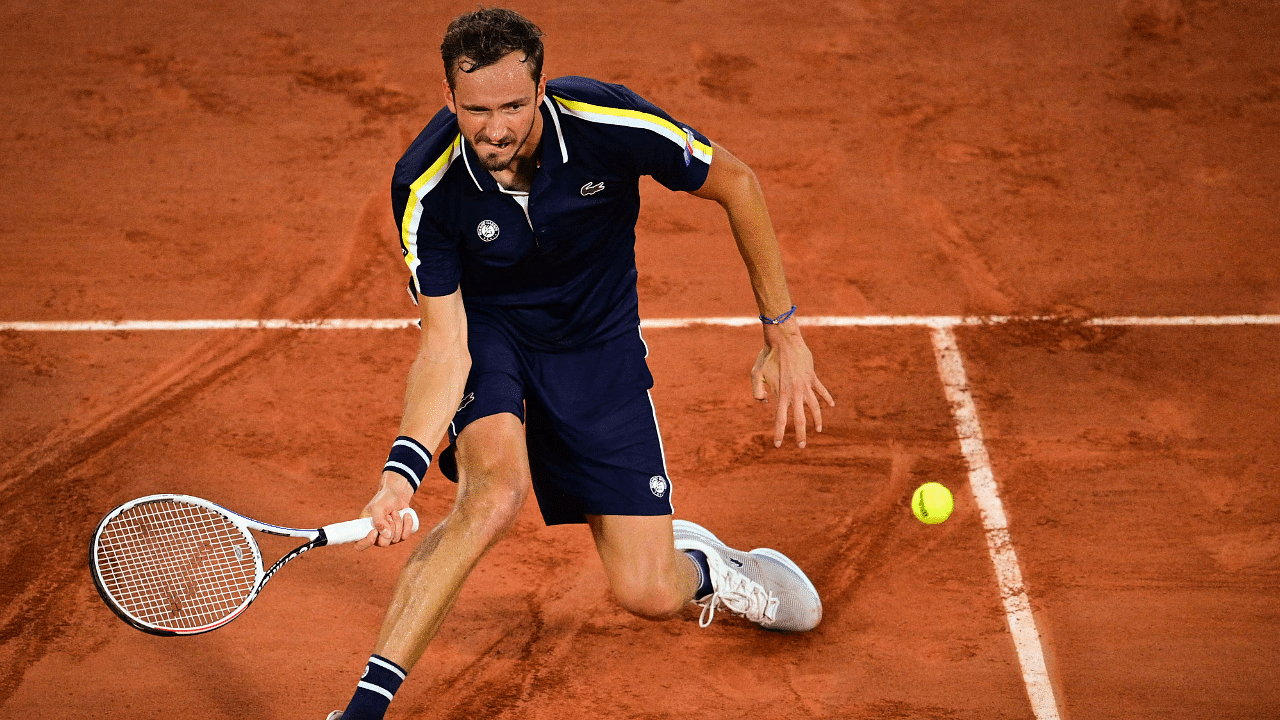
[(589, 91), (431, 153), (613, 112)]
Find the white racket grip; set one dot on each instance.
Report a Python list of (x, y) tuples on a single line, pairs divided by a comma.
[(356, 530)]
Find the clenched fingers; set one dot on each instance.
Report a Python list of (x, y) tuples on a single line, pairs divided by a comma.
[(368, 540)]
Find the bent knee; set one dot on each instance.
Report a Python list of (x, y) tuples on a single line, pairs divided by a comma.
[(649, 599), (491, 507)]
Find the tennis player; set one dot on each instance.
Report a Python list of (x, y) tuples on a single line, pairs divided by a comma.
[(517, 208)]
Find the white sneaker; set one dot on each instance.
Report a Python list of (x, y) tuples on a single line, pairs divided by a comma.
[(335, 715), (763, 585)]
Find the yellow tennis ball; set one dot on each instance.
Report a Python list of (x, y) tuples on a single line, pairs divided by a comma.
[(932, 503)]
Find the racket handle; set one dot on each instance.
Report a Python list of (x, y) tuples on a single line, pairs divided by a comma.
[(356, 530)]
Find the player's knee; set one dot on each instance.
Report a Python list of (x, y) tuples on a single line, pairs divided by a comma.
[(491, 508), (648, 597)]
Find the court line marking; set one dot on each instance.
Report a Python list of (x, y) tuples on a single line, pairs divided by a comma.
[(982, 482), (929, 321), (955, 384)]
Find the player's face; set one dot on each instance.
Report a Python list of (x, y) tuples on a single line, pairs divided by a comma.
[(497, 109)]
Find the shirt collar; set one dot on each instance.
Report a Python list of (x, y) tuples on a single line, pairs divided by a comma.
[(550, 119)]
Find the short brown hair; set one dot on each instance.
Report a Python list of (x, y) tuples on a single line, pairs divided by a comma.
[(479, 39)]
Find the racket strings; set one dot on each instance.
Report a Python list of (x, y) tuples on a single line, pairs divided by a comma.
[(175, 565)]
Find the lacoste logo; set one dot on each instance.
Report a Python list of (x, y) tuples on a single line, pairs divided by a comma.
[(487, 230), (736, 562), (591, 188), (466, 401)]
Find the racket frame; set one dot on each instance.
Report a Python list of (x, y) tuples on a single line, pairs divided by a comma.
[(315, 538)]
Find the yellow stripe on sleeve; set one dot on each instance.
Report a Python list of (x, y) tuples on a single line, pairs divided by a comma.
[(413, 209), (637, 119)]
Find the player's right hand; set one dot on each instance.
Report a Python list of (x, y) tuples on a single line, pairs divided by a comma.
[(389, 527)]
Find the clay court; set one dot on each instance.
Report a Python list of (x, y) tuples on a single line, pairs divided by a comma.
[(1048, 229)]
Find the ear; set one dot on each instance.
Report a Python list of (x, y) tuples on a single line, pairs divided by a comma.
[(542, 90), (448, 96)]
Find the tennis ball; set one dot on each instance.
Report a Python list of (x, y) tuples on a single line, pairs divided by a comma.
[(932, 503)]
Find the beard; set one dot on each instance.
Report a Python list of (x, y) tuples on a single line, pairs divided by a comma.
[(496, 160)]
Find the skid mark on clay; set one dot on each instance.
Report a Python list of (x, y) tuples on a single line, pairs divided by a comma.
[(987, 292), (497, 685), (353, 84), (46, 581), (722, 76), (43, 572), (175, 381), (863, 534), (137, 89), (495, 682), (973, 269)]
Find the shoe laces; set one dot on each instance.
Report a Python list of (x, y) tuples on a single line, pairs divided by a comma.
[(740, 595)]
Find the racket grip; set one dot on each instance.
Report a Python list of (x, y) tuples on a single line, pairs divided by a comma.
[(356, 530)]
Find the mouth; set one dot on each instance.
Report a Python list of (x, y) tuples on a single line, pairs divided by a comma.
[(501, 146)]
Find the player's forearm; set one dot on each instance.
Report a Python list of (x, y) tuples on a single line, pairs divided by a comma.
[(734, 186), (753, 232), (438, 374), (432, 394)]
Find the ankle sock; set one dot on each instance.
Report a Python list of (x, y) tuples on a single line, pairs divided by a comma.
[(704, 573), (377, 686)]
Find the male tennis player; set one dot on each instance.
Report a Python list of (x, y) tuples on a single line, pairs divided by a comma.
[(517, 207)]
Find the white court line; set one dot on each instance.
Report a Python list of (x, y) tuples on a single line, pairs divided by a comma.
[(274, 324), (930, 321), (1017, 606), (950, 367)]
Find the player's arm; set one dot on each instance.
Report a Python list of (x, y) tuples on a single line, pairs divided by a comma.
[(785, 364), (434, 389)]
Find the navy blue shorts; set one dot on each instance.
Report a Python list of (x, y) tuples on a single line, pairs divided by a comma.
[(590, 425)]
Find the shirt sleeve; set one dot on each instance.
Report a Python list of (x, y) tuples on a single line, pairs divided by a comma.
[(670, 151), (435, 268)]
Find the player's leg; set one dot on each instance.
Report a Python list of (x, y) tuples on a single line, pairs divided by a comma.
[(655, 567), (493, 481), (595, 454), (648, 576)]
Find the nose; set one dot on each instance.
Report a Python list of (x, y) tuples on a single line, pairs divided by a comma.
[(495, 130)]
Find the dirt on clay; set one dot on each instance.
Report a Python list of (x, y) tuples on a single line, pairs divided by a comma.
[(190, 160)]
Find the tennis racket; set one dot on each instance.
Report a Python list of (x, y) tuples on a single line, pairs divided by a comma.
[(180, 565)]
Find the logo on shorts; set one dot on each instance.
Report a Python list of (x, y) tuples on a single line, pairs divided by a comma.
[(365, 674), (688, 146), (466, 401), (658, 485), (487, 230), (591, 188)]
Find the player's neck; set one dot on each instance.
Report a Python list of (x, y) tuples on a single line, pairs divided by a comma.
[(518, 175)]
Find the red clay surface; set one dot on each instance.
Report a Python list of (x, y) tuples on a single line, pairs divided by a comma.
[(185, 160)]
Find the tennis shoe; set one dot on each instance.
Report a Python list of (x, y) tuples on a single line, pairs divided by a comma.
[(335, 715), (763, 586)]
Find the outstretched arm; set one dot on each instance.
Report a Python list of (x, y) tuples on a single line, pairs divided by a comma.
[(785, 364), (436, 379)]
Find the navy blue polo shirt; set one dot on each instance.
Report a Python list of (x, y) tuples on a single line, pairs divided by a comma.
[(560, 274)]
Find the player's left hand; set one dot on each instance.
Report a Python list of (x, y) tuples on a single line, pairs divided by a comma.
[(785, 365)]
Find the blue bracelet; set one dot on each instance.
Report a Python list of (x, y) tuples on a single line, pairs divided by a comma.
[(408, 459), (780, 319)]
